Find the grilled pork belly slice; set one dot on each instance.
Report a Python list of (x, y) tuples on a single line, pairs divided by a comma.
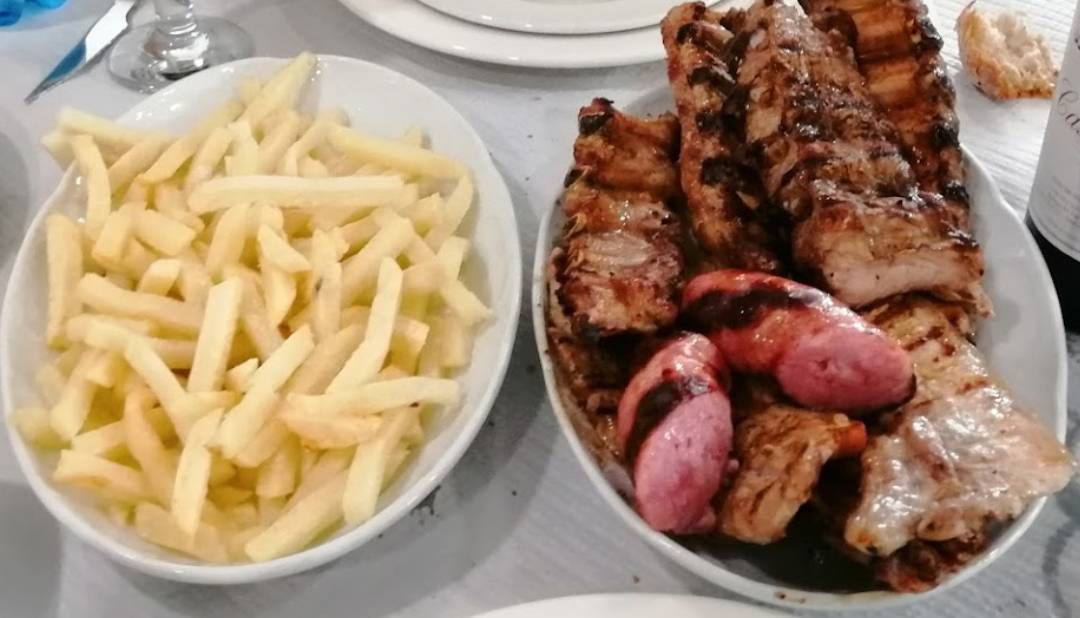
[(781, 451), (674, 426), (621, 263), (961, 454), (723, 194), (835, 164), (822, 354), (898, 51)]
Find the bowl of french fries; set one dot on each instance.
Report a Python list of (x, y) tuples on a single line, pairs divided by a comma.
[(263, 315)]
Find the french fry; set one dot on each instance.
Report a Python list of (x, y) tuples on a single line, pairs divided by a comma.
[(245, 420), (413, 136), (330, 432), (98, 293), (136, 160), (311, 168), (69, 414), (221, 471), (424, 213), (229, 237), (315, 134), (371, 354), (277, 251), (378, 396), (255, 322), (33, 424), (358, 233), (170, 201), (277, 141), (160, 277), (207, 157), (216, 336), (194, 282), (175, 353), (276, 370), (369, 469), (227, 495), (137, 259), (65, 266), (455, 342), (112, 242), (158, 526), (102, 130), (457, 206), (361, 270), (184, 148), (107, 369), (144, 444), (50, 383), (58, 146), (263, 445), (464, 303), (244, 160), (281, 90), (352, 191), (105, 441), (105, 332), (193, 474), (238, 378), (329, 465), (395, 155), (269, 509), (280, 290), (299, 525), (108, 478), (325, 361), (277, 477), (163, 234), (157, 376)]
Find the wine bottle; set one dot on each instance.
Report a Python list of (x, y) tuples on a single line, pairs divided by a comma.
[(1053, 214)]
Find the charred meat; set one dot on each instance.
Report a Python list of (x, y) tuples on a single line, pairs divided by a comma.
[(961, 454), (822, 354), (835, 164), (723, 194), (620, 263), (781, 451)]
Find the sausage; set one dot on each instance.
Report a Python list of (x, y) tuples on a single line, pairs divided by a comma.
[(822, 354), (674, 428)]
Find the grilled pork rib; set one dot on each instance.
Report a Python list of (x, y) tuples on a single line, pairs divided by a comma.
[(899, 53), (961, 454), (621, 263), (834, 163), (722, 193), (781, 451)]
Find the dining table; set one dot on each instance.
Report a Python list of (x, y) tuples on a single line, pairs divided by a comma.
[(517, 519)]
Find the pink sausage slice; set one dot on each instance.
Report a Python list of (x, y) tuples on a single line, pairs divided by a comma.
[(822, 354), (674, 427)]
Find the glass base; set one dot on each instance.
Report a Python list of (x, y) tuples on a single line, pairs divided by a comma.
[(146, 60)]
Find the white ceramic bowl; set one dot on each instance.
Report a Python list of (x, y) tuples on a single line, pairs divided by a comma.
[(1024, 343), (379, 101)]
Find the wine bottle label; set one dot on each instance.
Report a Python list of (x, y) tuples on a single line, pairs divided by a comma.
[(1054, 205)]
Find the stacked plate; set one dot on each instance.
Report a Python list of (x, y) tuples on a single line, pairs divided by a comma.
[(533, 33)]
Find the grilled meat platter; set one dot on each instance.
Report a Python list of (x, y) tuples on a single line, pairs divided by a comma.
[(762, 306)]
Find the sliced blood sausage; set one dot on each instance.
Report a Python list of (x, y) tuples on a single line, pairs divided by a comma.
[(674, 427), (822, 354)]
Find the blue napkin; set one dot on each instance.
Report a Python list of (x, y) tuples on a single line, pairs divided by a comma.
[(12, 10)]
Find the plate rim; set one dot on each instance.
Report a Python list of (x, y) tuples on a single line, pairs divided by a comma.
[(399, 18), (326, 551), (775, 594), (560, 605), (562, 19)]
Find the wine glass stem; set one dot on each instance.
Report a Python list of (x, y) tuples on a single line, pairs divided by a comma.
[(176, 18)]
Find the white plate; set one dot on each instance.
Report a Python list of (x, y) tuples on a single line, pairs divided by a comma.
[(420, 24), (387, 105), (1024, 343), (558, 16), (632, 606)]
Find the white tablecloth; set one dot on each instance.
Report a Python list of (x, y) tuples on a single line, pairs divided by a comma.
[(517, 519)]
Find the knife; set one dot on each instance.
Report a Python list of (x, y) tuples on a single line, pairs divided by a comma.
[(104, 31)]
